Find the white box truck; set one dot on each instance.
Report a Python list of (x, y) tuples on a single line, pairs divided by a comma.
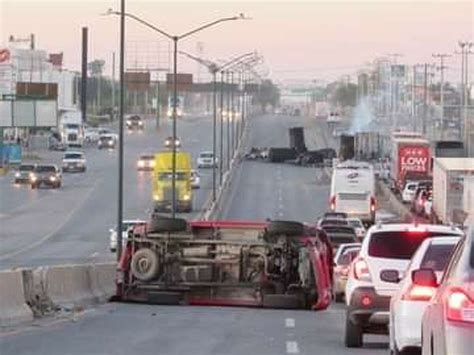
[(468, 198), (353, 190), (449, 179)]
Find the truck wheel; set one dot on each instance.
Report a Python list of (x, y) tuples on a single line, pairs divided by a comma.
[(281, 301), (353, 334), (289, 228), (160, 224), (145, 264)]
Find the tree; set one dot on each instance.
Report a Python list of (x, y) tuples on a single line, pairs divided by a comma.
[(344, 95), (267, 94)]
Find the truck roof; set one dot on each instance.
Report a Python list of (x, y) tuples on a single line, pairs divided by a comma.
[(411, 140), (456, 163), (164, 160)]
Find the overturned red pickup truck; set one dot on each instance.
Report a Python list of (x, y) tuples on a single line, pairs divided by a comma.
[(273, 264)]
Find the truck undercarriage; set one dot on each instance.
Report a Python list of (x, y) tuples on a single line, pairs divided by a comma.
[(276, 265)]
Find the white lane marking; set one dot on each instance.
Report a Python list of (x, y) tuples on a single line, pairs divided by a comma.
[(292, 347), (280, 206), (289, 323), (280, 214)]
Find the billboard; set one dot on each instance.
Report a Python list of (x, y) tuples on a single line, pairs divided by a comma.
[(47, 91), (183, 81), (415, 159), (137, 81), (28, 113)]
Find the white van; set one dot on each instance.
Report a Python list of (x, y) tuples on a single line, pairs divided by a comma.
[(353, 190)]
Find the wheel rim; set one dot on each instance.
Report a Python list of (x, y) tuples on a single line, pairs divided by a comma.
[(143, 265)]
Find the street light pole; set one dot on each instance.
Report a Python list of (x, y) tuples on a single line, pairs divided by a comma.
[(221, 141), (121, 113), (232, 110), (214, 133), (229, 117), (175, 100), (175, 39)]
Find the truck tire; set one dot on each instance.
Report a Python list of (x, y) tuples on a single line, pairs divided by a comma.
[(353, 334), (159, 224), (281, 301), (289, 228), (145, 264)]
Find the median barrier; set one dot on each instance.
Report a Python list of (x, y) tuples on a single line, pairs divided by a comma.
[(68, 286), (13, 307), (102, 281)]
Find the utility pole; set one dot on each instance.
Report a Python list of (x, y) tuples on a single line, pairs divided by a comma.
[(393, 92), (425, 100), (113, 84), (441, 57), (464, 117)]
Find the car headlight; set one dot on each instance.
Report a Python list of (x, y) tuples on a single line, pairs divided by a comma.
[(17, 175), (33, 177), (52, 178), (140, 123), (141, 163), (111, 143), (186, 197), (152, 163), (156, 197), (129, 123)]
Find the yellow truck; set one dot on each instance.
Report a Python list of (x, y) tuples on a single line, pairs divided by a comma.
[(162, 182)]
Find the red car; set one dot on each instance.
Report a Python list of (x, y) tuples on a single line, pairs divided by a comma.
[(274, 264)]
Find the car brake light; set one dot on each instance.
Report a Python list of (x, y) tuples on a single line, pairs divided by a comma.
[(373, 204), (361, 270), (333, 203), (419, 293), (459, 306)]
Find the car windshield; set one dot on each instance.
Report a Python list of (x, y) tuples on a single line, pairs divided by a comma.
[(347, 256), (147, 157), (437, 256), (45, 169), (355, 223), (334, 222), (106, 138), (26, 167), (399, 245), (73, 156), (206, 155)]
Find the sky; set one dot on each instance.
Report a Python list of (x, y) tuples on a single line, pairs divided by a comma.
[(300, 40)]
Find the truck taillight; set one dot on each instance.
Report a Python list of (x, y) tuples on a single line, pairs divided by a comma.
[(361, 270), (459, 306), (418, 293), (333, 203), (373, 204)]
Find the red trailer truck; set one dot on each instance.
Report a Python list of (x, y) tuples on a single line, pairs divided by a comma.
[(411, 160)]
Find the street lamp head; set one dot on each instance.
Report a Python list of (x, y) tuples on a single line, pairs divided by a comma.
[(110, 11), (242, 16)]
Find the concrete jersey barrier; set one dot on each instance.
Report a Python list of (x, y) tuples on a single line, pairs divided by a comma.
[(13, 307)]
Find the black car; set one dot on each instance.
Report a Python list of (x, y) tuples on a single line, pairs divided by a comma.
[(48, 175), (134, 122)]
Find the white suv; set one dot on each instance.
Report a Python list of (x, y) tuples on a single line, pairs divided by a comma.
[(386, 249)]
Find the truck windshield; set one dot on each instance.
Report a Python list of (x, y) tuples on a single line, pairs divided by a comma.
[(169, 176), (73, 156)]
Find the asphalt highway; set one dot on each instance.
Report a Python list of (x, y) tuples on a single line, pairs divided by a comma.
[(260, 190), (71, 225)]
